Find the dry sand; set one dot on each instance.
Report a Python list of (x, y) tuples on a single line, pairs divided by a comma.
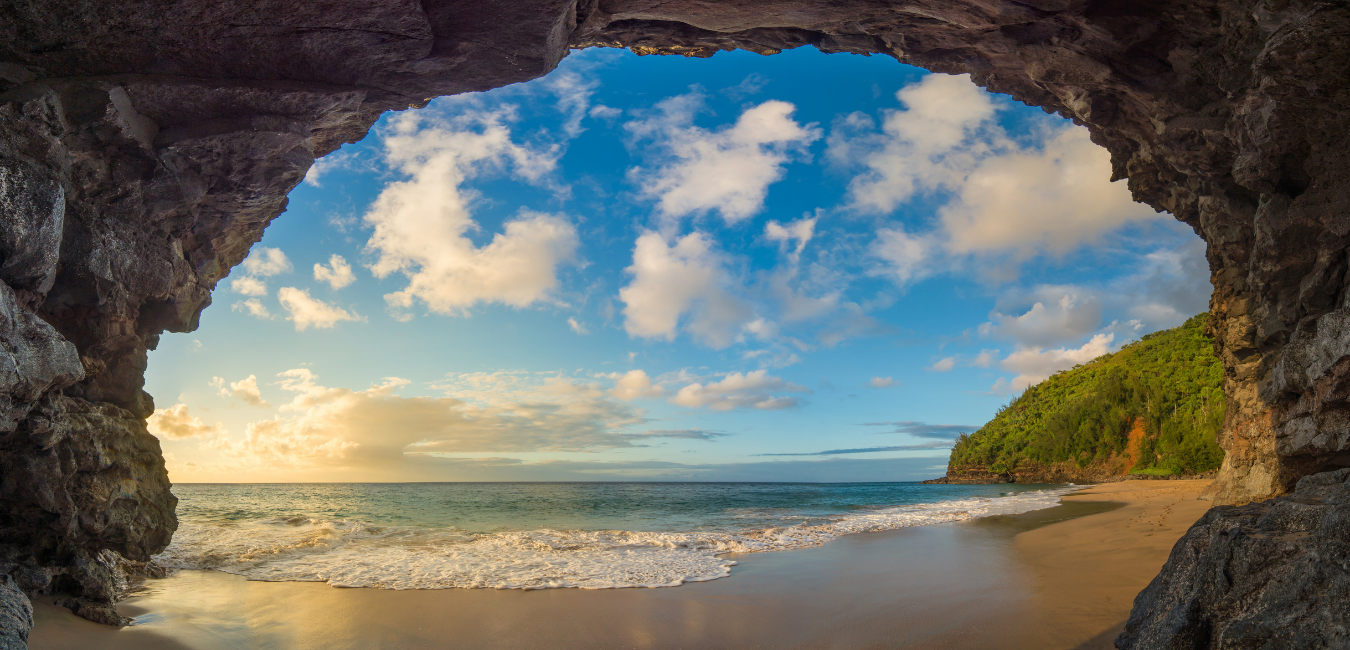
[(1089, 570), (1043, 580)]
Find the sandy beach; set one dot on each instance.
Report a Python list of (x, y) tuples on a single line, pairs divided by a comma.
[(1064, 577)]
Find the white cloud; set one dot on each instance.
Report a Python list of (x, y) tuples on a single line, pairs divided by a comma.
[(998, 197), (421, 224), (262, 262), (728, 170), (337, 274), (249, 286), (736, 390), (1034, 364), (266, 262), (307, 312), (577, 327), (918, 149), (1053, 198), (801, 230), (574, 98), (943, 365), (670, 282), (985, 359), (881, 382), (634, 384), (252, 307), (1058, 313), (176, 423), (905, 258), (245, 390)]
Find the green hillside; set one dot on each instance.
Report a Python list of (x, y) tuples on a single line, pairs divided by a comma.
[(1170, 380)]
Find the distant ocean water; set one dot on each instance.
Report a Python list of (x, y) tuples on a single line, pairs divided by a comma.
[(545, 535)]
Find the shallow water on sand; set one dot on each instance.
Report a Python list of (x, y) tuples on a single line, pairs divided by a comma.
[(546, 535)]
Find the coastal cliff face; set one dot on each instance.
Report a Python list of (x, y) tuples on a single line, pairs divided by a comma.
[(144, 147)]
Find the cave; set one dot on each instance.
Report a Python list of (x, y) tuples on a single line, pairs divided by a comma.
[(146, 146)]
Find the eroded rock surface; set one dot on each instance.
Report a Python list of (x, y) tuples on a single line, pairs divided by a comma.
[(144, 147), (1274, 574)]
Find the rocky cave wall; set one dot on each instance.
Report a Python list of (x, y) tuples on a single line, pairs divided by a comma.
[(144, 147)]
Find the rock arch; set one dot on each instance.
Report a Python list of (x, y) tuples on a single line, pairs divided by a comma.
[(145, 146)]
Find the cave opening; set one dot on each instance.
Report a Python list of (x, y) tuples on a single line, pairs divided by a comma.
[(845, 236)]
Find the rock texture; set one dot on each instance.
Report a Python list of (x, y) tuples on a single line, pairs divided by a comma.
[(1271, 575), (145, 146)]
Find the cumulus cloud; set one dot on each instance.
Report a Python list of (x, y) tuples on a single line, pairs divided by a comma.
[(421, 224), (306, 311), (337, 274), (252, 307), (1034, 364), (634, 384), (1053, 198), (943, 365), (176, 423), (245, 390), (1057, 313), (729, 171), (881, 382), (736, 390), (261, 263), (686, 281), (918, 149), (997, 196)]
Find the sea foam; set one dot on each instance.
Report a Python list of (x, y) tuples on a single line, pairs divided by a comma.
[(347, 553)]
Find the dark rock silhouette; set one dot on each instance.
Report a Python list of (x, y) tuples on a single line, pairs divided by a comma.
[(144, 147)]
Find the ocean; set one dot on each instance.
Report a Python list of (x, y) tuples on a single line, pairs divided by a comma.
[(545, 535)]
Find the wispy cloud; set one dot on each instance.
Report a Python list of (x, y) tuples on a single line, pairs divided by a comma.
[(870, 450)]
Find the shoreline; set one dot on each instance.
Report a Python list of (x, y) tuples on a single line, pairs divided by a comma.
[(981, 583)]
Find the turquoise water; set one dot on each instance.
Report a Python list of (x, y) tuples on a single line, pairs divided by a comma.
[(544, 535)]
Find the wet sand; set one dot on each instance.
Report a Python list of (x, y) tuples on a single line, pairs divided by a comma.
[(1057, 578)]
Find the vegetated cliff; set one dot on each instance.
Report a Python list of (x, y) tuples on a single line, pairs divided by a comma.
[(145, 146), (1154, 408)]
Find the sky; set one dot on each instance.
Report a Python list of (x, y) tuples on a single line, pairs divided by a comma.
[(802, 267)]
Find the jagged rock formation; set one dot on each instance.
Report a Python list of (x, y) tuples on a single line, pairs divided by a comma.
[(145, 146), (1265, 575)]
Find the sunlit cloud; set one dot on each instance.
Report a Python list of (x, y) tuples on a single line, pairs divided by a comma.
[(421, 224), (752, 390), (881, 382), (337, 274), (729, 171), (634, 384), (1033, 365), (253, 307), (261, 263), (176, 423), (997, 196), (684, 281), (306, 311), (244, 390)]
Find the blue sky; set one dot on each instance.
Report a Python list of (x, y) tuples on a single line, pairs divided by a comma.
[(797, 267)]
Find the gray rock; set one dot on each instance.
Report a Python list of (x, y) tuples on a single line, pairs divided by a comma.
[(16, 616), (1266, 575)]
